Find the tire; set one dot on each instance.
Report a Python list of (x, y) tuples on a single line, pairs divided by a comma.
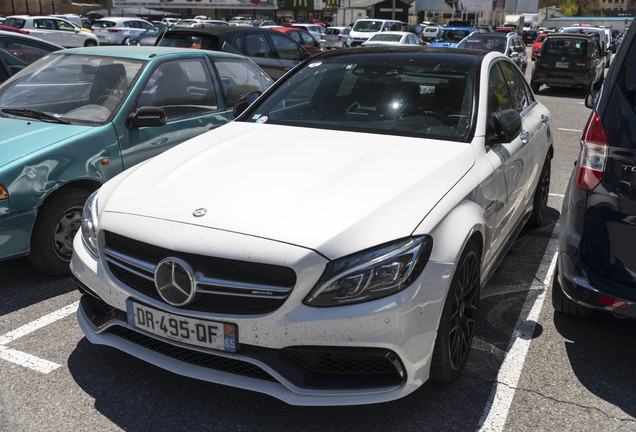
[(459, 315), (541, 194), (124, 41), (561, 303), (58, 220), (90, 43)]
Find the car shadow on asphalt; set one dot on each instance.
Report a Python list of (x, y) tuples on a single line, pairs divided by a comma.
[(138, 396), (17, 279), (601, 351)]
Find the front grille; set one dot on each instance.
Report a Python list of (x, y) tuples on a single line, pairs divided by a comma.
[(224, 285)]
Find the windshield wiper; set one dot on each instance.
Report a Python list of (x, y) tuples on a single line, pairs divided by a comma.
[(40, 115)]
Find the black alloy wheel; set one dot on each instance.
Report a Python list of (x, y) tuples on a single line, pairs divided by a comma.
[(459, 316)]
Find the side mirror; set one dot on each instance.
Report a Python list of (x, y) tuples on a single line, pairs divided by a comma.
[(507, 124), (146, 116), (591, 98), (243, 102)]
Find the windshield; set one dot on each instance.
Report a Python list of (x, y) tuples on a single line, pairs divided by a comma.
[(394, 95), (367, 26), (451, 35), (77, 89)]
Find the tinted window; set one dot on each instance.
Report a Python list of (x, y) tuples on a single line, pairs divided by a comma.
[(240, 77), (25, 50), (286, 48), (14, 22), (256, 45), (562, 46), (182, 88), (499, 97), (521, 95)]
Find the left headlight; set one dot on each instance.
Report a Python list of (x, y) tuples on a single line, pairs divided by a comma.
[(372, 273), (89, 223)]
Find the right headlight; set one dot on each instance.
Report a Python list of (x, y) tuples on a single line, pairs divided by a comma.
[(89, 223), (372, 273)]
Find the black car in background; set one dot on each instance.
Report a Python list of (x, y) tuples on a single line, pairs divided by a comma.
[(26, 48), (596, 267), (572, 60), (273, 51)]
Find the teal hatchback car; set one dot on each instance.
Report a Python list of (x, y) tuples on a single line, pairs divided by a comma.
[(76, 118)]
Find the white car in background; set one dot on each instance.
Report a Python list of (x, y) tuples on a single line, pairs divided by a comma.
[(329, 246), (117, 30), (392, 39), (314, 29), (336, 37), (52, 29)]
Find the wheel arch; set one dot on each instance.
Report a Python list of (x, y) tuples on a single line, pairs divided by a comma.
[(463, 223)]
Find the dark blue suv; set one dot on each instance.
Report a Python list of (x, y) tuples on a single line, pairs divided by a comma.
[(596, 267)]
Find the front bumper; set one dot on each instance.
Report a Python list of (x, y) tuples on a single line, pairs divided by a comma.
[(346, 355), (15, 234)]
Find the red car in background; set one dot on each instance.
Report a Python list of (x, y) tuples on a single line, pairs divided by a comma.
[(303, 38), (13, 29), (315, 21), (536, 47)]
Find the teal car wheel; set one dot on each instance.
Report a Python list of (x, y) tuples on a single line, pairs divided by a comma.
[(59, 219)]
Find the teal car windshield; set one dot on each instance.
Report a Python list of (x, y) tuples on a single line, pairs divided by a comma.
[(73, 89)]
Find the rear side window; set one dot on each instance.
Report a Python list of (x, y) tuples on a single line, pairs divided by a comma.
[(286, 48)]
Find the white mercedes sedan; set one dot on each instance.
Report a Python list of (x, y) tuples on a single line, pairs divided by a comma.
[(329, 246)]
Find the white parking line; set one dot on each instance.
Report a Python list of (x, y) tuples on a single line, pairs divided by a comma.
[(570, 130), (496, 412), (28, 360)]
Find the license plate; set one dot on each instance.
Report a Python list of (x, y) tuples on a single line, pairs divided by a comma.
[(562, 64), (203, 333)]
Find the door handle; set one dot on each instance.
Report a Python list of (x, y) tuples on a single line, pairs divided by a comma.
[(525, 136), (544, 119)]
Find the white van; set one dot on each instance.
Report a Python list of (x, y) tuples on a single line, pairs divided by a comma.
[(363, 29)]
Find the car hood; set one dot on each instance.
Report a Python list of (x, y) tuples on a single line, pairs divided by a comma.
[(335, 192), (21, 137)]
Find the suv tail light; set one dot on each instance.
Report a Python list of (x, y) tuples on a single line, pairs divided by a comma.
[(594, 143), (339, 37), (113, 30)]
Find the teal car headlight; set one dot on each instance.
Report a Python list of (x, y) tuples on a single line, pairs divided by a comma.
[(89, 224), (371, 274)]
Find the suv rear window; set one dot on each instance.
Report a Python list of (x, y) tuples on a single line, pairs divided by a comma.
[(104, 24), (184, 39), (14, 22), (560, 46)]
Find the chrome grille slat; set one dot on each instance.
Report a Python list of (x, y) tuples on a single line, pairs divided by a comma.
[(244, 287)]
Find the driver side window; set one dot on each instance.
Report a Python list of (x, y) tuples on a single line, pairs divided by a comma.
[(182, 88)]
